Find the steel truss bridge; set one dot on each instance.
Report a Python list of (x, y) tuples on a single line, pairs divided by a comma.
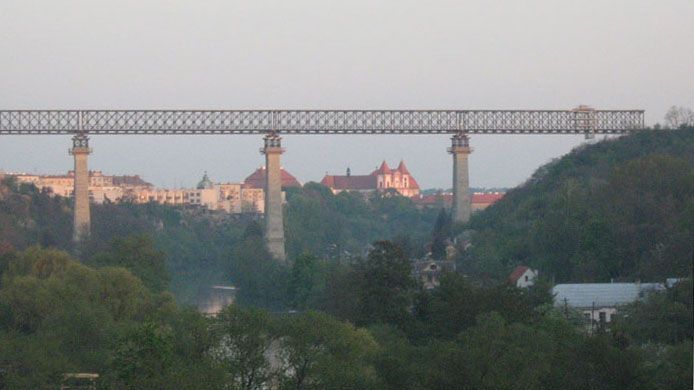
[(273, 123), (193, 122)]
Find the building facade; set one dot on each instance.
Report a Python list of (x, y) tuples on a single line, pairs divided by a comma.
[(102, 188), (382, 179), (599, 302), (523, 277), (233, 198)]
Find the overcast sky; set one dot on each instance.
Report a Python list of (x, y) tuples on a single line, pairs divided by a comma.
[(531, 54)]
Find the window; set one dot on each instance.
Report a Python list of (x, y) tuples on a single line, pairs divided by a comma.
[(526, 278), (603, 317)]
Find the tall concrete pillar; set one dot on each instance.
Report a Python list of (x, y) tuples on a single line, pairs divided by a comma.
[(460, 149), (81, 217), (274, 224)]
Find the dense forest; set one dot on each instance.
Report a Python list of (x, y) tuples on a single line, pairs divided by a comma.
[(621, 209), (201, 248), (376, 330), (346, 312)]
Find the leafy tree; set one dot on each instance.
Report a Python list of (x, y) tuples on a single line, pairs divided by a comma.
[(137, 254), (617, 209), (657, 319), (679, 117), (457, 303), (307, 281), (342, 293), (244, 341), (144, 357), (260, 279), (669, 366), (318, 352), (385, 286), (400, 364), (442, 232)]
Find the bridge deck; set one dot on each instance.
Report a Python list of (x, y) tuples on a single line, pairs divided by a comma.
[(193, 122)]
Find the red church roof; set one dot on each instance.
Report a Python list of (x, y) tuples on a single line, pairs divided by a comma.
[(257, 179), (402, 168), (384, 169), (368, 182)]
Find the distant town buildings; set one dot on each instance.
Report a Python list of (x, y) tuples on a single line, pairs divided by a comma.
[(102, 188), (232, 198), (244, 197), (381, 179), (247, 196)]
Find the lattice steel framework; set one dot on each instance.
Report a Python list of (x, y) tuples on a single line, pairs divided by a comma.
[(191, 122)]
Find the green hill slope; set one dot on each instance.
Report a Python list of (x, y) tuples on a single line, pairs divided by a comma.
[(620, 209)]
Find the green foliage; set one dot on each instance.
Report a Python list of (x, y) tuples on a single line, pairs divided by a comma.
[(307, 281), (58, 316), (144, 358), (30, 217), (189, 250), (317, 351), (618, 209), (243, 341), (138, 255), (261, 280), (75, 312), (442, 232), (658, 319), (456, 304), (342, 225), (669, 366), (400, 364), (385, 286)]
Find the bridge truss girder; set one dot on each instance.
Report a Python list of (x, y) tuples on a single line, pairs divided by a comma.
[(192, 122)]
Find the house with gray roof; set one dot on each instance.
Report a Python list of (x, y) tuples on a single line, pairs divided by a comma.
[(599, 301)]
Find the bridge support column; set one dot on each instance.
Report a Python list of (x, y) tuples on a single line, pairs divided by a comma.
[(274, 221), (81, 216), (460, 149)]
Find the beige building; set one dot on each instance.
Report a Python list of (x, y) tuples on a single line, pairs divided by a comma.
[(102, 188), (233, 198)]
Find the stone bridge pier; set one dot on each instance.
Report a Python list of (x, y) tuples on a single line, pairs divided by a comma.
[(460, 149), (274, 220), (80, 195)]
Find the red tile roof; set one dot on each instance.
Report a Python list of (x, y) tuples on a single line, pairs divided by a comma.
[(384, 169), (368, 182), (257, 179), (486, 198), (402, 168), (517, 273), (433, 199), (447, 198)]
